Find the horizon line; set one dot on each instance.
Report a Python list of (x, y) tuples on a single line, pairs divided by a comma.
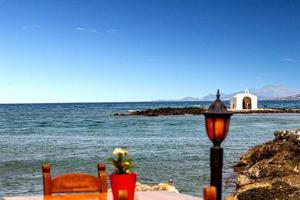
[(102, 102), (90, 102)]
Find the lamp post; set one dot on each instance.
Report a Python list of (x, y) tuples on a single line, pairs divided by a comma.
[(217, 120)]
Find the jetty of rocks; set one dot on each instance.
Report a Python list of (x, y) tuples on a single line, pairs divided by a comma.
[(199, 110)]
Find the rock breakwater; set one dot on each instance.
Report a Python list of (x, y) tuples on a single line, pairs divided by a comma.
[(199, 110), (271, 170)]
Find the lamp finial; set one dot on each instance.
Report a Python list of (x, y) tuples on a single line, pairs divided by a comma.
[(218, 94)]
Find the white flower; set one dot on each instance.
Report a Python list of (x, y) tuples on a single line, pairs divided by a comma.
[(118, 151)]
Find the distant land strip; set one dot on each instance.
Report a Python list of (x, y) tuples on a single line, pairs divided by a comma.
[(200, 110)]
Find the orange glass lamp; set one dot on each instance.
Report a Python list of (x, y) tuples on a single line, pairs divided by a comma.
[(217, 120)]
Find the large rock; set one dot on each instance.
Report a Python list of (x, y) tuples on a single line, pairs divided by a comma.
[(271, 170), (156, 187)]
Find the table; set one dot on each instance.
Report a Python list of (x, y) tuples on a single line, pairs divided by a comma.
[(159, 195)]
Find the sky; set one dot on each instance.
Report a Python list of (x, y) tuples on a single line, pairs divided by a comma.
[(107, 51)]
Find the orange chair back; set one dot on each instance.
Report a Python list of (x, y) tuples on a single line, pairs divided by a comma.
[(210, 193), (123, 195), (74, 182)]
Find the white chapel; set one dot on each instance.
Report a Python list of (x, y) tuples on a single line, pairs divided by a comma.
[(244, 101)]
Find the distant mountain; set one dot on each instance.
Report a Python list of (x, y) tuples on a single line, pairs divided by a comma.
[(268, 92), (224, 96), (273, 92), (293, 97), (190, 99)]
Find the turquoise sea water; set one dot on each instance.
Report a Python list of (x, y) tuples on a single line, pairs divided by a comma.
[(74, 137)]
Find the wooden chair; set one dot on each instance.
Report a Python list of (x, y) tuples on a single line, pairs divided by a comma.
[(74, 182)]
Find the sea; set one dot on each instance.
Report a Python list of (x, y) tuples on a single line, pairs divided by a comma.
[(74, 137)]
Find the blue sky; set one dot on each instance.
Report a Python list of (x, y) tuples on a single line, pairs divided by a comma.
[(103, 51)]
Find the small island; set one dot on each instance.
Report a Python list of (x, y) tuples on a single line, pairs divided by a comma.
[(199, 110), (241, 103)]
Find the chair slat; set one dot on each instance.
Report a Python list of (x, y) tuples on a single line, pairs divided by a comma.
[(102, 177), (75, 183)]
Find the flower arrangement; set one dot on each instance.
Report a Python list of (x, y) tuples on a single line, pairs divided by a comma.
[(121, 162)]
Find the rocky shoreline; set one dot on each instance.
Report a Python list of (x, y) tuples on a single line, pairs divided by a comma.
[(271, 170), (200, 110)]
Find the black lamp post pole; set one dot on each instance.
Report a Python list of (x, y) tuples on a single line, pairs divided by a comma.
[(216, 164)]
